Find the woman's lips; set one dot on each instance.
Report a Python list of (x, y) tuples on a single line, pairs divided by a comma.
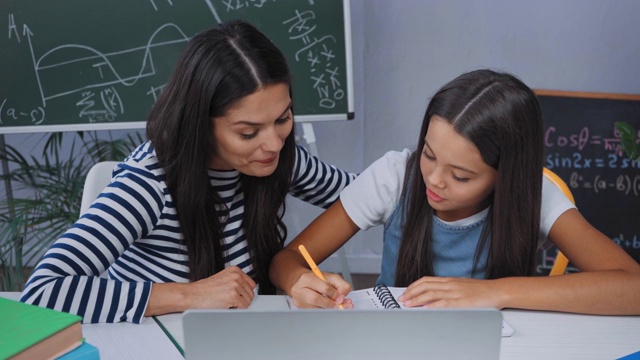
[(268, 161)]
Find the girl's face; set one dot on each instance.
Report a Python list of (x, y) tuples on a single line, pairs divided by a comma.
[(457, 179), (250, 135)]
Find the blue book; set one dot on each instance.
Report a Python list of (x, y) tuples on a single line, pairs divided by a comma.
[(634, 356), (85, 351)]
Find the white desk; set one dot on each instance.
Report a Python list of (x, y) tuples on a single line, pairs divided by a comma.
[(538, 335)]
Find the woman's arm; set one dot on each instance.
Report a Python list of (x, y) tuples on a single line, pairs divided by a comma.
[(316, 182), (608, 282), (68, 277), (230, 288), (289, 271)]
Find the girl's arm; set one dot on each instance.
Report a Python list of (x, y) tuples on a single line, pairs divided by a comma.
[(608, 282), (290, 272)]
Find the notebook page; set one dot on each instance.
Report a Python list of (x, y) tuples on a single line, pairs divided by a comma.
[(367, 298)]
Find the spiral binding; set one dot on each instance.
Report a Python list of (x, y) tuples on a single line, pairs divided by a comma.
[(386, 298)]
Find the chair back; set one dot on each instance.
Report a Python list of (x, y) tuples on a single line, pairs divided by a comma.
[(97, 179), (561, 262)]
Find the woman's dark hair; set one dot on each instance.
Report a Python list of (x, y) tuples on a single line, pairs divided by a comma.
[(217, 68), (501, 116)]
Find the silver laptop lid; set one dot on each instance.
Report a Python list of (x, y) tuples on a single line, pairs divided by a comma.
[(347, 334)]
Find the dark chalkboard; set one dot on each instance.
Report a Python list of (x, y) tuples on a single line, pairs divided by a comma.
[(91, 65), (582, 146)]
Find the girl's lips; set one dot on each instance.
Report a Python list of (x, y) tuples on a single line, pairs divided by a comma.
[(433, 196)]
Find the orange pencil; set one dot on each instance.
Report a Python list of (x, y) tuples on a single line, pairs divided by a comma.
[(313, 266)]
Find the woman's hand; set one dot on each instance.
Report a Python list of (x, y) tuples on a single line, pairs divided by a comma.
[(448, 292), (309, 291), (230, 288)]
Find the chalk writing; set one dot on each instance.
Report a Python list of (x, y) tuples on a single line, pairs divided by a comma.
[(579, 160), (623, 183), (319, 56), (90, 71), (109, 106), (584, 148), (9, 114), (628, 242)]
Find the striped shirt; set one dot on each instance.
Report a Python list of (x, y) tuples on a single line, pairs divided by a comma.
[(103, 267)]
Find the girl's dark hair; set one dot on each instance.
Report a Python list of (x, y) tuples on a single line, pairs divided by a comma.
[(217, 68), (501, 116)]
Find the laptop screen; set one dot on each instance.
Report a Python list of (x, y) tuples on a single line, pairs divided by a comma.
[(336, 334)]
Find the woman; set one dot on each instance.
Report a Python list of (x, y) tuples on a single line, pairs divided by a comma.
[(192, 217), (464, 213)]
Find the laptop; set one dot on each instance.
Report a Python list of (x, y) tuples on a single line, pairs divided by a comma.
[(342, 334)]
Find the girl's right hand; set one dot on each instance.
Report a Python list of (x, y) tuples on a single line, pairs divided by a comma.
[(230, 288), (309, 291)]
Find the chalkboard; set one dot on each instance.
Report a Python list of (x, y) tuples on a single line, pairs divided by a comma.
[(91, 65), (582, 146)]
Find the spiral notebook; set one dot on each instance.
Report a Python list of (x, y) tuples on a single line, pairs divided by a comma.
[(386, 297)]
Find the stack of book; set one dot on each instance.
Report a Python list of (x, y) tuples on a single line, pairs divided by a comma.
[(32, 332)]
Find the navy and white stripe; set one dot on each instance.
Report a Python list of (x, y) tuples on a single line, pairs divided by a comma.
[(103, 267)]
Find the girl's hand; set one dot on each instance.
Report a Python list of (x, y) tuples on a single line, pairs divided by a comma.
[(448, 292), (309, 291), (229, 289)]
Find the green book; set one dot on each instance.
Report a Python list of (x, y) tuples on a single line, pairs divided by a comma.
[(33, 332)]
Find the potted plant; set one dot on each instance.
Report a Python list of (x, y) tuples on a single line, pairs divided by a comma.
[(45, 196), (629, 140)]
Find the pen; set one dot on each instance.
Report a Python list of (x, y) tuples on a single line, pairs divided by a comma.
[(314, 267)]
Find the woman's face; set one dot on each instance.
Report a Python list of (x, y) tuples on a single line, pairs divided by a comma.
[(457, 178), (250, 135)]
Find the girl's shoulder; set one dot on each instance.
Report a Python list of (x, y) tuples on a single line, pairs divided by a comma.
[(393, 161)]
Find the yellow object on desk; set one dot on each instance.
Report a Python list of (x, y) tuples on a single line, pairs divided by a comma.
[(313, 266)]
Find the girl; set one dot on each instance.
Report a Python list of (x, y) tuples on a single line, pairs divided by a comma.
[(192, 217), (464, 215)]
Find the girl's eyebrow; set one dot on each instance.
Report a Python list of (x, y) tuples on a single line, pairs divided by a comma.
[(458, 167)]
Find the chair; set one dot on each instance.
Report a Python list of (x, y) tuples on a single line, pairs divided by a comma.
[(561, 262), (97, 179)]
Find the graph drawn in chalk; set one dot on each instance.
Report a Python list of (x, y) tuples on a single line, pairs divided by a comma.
[(72, 67), (83, 67)]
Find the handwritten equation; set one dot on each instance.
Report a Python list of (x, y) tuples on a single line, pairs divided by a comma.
[(316, 49), (583, 138), (90, 75), (579, 160), (90, 72), (627, 242), (622, 183)]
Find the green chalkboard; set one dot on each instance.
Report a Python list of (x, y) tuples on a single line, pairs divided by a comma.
[(91, 65)]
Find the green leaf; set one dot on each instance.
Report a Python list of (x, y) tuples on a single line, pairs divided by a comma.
[(46, 197), (629, 140)]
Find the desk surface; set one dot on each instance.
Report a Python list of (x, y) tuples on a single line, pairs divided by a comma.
[(538, 335)]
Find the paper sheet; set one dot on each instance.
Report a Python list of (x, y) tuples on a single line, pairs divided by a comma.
[(131, 341)]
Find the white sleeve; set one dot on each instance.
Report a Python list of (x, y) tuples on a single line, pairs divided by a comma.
[(554, 204), (371, 198)]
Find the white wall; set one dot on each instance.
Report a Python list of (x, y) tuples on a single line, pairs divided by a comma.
[(409, 48)]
